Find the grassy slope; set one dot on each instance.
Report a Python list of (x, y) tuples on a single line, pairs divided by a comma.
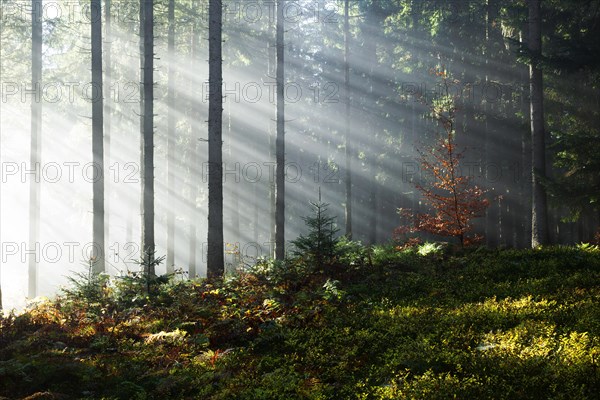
[(490, 324)]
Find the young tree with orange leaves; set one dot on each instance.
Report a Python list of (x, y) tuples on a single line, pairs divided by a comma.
[(454, 200)]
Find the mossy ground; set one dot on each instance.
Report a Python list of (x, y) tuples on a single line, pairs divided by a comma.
[(380, 324)]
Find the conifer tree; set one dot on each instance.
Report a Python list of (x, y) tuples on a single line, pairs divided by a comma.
[(318, 246)]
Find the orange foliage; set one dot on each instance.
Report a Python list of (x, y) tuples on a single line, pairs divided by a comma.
[(455, 201), (409, 244)]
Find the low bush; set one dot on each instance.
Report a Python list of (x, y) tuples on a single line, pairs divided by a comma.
[(421, 323)]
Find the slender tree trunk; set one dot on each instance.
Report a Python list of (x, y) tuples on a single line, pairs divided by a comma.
[(36, 133), (171, 140), (280, 140), (215, 256), (524, 234), (194, 149), (493, 229), (272, 195), (97, 138), (348, 145), (490, 228), (372, 185), (1, 161), (141, 93), (270, 58), (539, 213), (107, 104), (148, 243), (415, 120)]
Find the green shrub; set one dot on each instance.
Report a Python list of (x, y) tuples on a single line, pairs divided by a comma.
[(318, 248), (481, 324)]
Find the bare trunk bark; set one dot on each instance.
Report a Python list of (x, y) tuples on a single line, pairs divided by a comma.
[(539, 213), (271, 54), (107, 100), (148, 243), (97, 138), (171, 141), (348, 145), (280, 140), (524, 234), (215, 256)]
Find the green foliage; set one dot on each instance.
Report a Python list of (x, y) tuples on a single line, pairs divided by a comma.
[(428, 248), (319, 246), (288, 273), (592, 248), (481, 324), (88, 286), (332, 290), (351, 253)]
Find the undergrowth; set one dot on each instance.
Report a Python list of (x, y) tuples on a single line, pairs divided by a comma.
[(423, 323)]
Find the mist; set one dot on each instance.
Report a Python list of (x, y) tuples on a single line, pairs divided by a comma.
[(382, 113)]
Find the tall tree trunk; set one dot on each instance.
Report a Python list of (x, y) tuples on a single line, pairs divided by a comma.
[(107, 104), (171, 140), (493, 228), (369, 109), (348, 145), (415, 119), (141, 87), (97, 138), (539, 213), (215, 255), (148, 244), (524, 234), (271, 54), (490, 229), (36, 133), (280, 140), (193, 150), (0, 161)]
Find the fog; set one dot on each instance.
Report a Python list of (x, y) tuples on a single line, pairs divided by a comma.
[(391, 84)]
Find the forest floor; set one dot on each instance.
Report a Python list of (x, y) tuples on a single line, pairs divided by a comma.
[(424, 323)]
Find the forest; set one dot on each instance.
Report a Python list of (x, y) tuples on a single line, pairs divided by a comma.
[(320, 199)]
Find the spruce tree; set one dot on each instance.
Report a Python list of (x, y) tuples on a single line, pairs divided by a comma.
[(318, 246)]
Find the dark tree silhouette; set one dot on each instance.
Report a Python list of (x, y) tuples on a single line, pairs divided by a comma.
[(148, 243), (215, 255), (348, 144), (171, 139), (108, 109), (280, 140), (539, 213), (97, 138)]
